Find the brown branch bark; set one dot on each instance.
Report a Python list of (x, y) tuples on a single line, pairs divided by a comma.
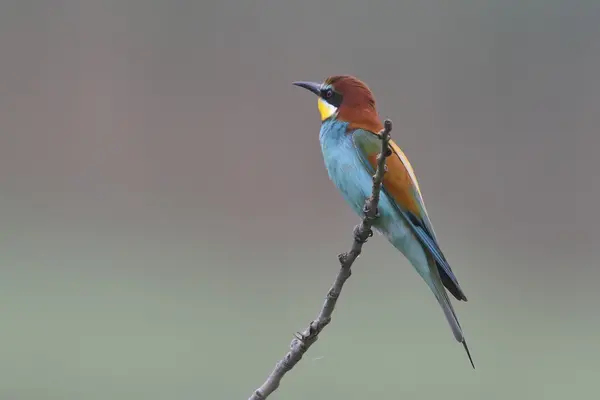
[(303, 340)]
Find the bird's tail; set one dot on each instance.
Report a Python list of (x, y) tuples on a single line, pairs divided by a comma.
[(442, 297)]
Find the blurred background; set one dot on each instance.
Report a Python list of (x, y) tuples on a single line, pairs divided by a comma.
[(167, 221)]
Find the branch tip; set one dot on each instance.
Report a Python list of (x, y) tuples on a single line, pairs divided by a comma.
[(387, 125)]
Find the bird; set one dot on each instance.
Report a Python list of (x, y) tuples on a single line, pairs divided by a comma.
[(350, 138)]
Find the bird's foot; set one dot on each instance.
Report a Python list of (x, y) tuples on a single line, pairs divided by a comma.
[(367, 211)]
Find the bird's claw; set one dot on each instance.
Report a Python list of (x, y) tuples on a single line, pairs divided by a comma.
[(367, 212), (366, 209)]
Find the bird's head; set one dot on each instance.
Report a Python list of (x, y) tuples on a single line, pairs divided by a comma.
[(346, 98)]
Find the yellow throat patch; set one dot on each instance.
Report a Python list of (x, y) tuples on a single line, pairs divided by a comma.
[(325, 109)]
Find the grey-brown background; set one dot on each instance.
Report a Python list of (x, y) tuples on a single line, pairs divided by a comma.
[(167, 222)]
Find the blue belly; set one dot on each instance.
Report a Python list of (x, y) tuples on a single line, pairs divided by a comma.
[(346, 170)]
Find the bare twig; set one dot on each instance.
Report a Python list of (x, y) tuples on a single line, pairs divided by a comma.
[(303, 340)]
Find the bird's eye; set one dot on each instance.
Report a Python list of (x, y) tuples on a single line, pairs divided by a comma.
[(328, 93)]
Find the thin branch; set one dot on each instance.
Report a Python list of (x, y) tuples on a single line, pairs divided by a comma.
[(303, 340)]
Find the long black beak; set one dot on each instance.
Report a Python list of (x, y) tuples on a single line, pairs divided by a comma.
[(312, 86)]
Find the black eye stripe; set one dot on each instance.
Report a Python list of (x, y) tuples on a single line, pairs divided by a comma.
[(331, 96)]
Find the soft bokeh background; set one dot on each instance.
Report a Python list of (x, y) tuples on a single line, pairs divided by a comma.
[(167, 222)]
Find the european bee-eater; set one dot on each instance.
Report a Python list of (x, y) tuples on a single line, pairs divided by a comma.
[(350, 143)]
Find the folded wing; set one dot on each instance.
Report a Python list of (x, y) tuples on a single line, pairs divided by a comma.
[(400, 184)]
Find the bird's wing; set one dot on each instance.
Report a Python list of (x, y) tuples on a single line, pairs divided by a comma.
[(401, 185)]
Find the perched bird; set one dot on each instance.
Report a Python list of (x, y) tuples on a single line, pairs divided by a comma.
[(350, 142)]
